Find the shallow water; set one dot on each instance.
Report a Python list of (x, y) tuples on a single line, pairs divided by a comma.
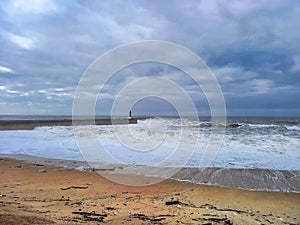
[(257, 143), (255, 147)]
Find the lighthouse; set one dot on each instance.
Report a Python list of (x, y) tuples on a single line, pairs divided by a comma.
[(129, 115)]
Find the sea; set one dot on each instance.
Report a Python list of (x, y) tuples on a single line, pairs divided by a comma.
[(245, 152)]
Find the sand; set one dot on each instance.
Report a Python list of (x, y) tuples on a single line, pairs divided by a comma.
[(40, 194)]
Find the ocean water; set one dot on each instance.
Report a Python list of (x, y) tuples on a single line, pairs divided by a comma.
[(254, 153), (268, 143)]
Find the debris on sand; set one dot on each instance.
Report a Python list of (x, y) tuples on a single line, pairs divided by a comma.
[(74, 187)]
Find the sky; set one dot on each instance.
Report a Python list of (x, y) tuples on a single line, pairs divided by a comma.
[(252, 47)]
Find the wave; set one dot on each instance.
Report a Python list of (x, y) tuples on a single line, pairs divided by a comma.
[(256, 145), (249, 179)]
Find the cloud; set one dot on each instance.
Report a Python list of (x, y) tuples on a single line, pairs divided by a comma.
[(260, 86), (255, 60), (247, 8), (251, 46), (5, 70), (23, 42), (228, 74), (16, 7)]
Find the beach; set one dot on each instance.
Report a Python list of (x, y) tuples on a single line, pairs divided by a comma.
[(47, 178), (149, 112), (36, 193)]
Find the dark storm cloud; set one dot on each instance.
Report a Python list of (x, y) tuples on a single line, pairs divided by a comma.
[(255, 60), (251, 46)]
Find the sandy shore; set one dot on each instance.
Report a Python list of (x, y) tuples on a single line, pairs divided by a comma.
[(39, 194)]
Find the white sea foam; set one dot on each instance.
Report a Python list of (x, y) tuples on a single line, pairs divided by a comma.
[(294, 127), (151, 142)]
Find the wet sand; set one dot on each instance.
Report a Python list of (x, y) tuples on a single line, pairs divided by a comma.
[(34, 193)]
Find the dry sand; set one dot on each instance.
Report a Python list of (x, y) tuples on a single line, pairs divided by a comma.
[(38, 194)]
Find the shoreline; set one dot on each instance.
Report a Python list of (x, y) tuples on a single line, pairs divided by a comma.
[(33, 193), (284, 181)]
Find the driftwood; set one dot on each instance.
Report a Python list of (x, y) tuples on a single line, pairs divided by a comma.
[(143, 217), (74, 187), (175, 202), (92, 216), (215, 220)]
